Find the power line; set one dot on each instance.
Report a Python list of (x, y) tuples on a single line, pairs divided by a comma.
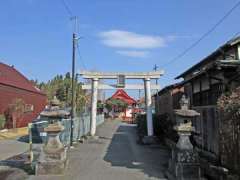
[(79, 54), (203, 36), (71, 16), (236, 34), (68, 10), (76, 28)]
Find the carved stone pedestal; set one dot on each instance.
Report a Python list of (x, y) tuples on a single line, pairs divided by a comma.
[(53, 157), (184, 163)]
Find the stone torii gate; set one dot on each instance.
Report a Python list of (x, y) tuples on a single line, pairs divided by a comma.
[(145, 76)]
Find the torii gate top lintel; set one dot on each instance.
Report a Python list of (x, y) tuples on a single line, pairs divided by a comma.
[(94, 86), (127, 75)]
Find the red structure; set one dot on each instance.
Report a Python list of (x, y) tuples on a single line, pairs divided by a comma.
[(122, 95), (14, 89)]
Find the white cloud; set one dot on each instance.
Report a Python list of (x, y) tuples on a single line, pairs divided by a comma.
[(126, 39), (130, 53), (174, 37)]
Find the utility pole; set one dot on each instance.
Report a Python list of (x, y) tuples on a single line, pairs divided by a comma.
[(139, 94), (155, 68), (74, 41)]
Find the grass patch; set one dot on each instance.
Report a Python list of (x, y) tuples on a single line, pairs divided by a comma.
[(2, 121)]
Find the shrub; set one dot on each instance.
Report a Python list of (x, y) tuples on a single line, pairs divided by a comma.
[(229, 130), (141, 125), (162, 126), (2, 121)]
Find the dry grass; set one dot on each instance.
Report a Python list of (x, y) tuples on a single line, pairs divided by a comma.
[(14, 133)]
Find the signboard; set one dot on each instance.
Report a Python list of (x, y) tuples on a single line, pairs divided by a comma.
[(43, 133), (121, 81), (28, 108)]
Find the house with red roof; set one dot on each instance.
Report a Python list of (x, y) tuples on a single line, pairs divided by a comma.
[(122, 95), (20, 101)]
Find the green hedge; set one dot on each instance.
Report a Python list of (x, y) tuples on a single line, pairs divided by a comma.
[(162, 126), (141, 125), (2, 121)]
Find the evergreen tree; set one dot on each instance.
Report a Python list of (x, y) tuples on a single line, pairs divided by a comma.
[(60, 86)]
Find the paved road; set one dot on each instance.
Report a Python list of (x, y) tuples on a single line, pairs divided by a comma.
[(114, 156), (9, 148)]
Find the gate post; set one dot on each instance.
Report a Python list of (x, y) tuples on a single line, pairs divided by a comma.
[(148, 104), (94, 106)]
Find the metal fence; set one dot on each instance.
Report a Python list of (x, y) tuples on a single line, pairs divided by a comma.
[(81, 128)]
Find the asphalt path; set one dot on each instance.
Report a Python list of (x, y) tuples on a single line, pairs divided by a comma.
[(115, 155)]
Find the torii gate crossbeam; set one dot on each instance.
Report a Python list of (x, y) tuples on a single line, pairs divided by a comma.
[(145, 76)]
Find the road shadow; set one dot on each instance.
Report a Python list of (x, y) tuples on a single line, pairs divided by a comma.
[(16, 167), (123, 151), (35, 139)]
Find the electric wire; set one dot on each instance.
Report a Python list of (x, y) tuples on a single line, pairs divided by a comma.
[(68, 10), (80, 57), (71, 16), (203, 36)]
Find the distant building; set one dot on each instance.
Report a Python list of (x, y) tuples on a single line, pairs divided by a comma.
[(16, 88), (141, 103), (167, 99), (122, 95), (204, 83)]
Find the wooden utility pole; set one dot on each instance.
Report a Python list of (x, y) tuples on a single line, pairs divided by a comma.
[(73, 87), (74, 41)]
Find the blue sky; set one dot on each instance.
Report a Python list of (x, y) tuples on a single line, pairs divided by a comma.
[(118, 35)]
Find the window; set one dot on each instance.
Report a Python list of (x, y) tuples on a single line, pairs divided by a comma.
[(28, 108), (208, 97), (196, 86), (216, 91)]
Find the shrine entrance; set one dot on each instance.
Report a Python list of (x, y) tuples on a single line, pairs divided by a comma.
[(121, 84)]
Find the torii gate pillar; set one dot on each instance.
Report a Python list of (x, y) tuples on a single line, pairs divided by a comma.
[(148, 103), (94, 106)]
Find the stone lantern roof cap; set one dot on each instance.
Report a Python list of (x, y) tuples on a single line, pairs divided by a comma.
[(186, 113), (55, 102), (55, 113)]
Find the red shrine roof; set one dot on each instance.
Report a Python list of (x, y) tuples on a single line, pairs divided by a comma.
[(122, 95), (11, 77)]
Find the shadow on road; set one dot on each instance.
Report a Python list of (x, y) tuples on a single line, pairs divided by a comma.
[(125, 152), (35, 139)]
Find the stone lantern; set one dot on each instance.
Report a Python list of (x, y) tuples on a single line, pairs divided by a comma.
[(184, 163), (53, 155)]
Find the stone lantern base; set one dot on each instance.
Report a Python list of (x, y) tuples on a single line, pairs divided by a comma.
[(51, 166), (184, 165), (53, 157)]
